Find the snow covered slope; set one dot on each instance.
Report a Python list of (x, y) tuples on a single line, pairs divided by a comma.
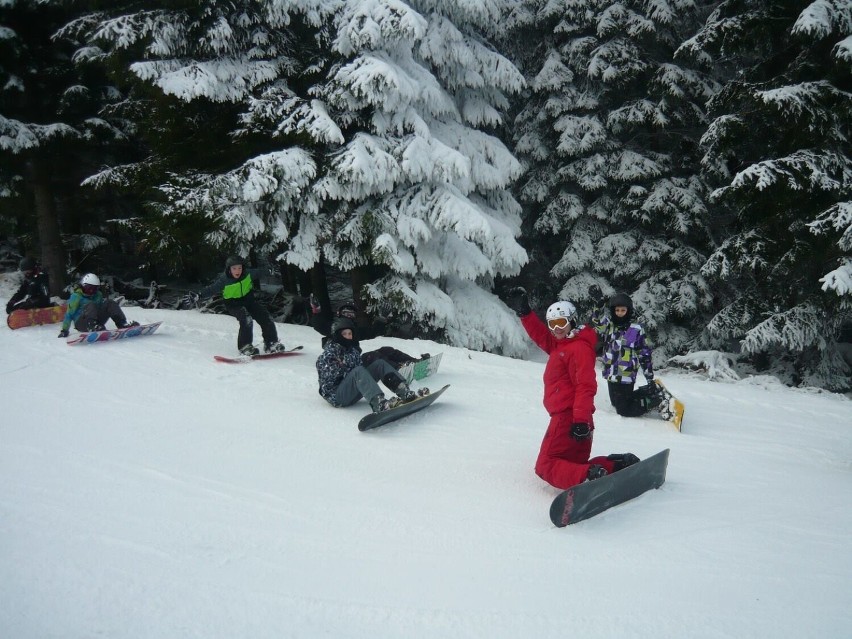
[(147, 491)]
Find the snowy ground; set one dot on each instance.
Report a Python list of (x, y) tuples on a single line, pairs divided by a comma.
[(149, 492)]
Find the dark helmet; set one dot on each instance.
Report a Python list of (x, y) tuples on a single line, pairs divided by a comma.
[(27, 264), (621, 299), (340, 324), (233, 260), (347, 309)]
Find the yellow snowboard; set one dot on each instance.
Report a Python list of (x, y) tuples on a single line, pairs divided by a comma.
[(671, 409)]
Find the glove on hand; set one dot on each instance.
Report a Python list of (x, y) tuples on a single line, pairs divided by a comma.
[(581, 431), (596, 295), (315, 305), (63, 333), (518, 301)]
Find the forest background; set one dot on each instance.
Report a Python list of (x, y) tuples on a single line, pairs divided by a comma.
[(694, 155)]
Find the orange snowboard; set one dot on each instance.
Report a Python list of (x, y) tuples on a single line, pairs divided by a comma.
[(36, 316)]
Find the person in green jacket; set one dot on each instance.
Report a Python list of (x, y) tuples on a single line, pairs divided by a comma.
[(236, 286)]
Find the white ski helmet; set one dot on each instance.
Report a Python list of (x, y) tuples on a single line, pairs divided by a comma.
[(90, 278), (562, 309)]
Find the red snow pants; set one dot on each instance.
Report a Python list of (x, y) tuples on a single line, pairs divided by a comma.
[(563, 461)]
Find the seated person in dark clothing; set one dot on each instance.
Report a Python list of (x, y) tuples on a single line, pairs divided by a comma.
[(35, 289)]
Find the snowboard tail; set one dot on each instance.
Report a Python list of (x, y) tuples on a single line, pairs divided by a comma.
[(594, 497), (673, 409), (374, 420), (246, 359), (91, 337), (420, 369), (35, 316)]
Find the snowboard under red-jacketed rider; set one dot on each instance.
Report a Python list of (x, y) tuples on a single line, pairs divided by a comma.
[(569, 392)]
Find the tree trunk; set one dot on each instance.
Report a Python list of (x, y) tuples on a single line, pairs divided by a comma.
[(319, 287), (49, 238), (359, 276)]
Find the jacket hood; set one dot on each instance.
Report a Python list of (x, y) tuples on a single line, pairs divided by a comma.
[(621, 299), (340, 324), (233, 260), (585, 333)]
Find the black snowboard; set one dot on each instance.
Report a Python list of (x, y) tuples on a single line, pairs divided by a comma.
[(593, 497), (373, 420)]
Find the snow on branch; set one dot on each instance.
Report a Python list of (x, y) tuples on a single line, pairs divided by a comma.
[(125, 31), (118, 176), (16, 136), (718, 365), (843, 50), (579, 135), (365, 167), (824, 18), (837, 218), (824, 171), (804, 103), (795, 329), (283, 112), (481, 321), (464, 61), (840, 279), (630, 165), (368, 24), (221, 80)]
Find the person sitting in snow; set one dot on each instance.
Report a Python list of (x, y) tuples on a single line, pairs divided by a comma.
[(322, 325), (236, 286), (344, 378), (89, 310), (569, 395), (625, 352), (34, 291)]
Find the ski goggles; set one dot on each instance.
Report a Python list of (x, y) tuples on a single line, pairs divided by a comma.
[(557, 322), (89, 289)]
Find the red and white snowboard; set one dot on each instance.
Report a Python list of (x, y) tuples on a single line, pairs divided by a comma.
[(245, 359), (109, 335)]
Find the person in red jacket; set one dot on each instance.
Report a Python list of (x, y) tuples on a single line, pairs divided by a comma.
[(570, 384)]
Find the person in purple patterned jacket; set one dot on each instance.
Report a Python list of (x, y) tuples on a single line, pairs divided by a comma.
[(625, 351)]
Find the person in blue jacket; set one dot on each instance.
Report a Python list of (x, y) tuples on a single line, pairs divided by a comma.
[(236, 286), (89, 310)]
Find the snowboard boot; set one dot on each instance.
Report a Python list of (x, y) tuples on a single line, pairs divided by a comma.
[(649, 403), (394, 382), (404, 393), (666, 405), (622, 461), (250, 350), (94, 325), (273, 347), (596, 471), (126, 324), (379, 404)]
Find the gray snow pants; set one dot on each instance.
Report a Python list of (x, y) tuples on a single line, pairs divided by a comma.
[(361, 381), (100, 313)]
